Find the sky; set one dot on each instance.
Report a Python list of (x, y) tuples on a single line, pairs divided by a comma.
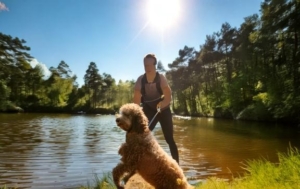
[(116, 34)]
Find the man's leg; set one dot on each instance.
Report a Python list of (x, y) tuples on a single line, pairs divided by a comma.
[(167, 128)]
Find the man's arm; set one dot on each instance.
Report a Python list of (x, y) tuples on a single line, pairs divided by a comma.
[(167, 96), (137, 97), (166, 92), (137, 92)]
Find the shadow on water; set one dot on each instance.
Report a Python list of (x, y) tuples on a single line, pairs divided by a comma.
[(65, 151)]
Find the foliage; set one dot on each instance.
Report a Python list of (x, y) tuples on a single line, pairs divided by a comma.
[(254, 68), (106, 181), (4, 187), (4, 91), (22, 85)]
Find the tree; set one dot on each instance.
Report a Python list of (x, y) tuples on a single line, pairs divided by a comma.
[(4, 91), (108, 85), (160, 67), (179, 72), (13, 64), (63, 70), (12, 51), (59, 85), (93, 81)]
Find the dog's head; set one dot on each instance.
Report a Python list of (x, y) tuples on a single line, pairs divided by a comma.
[(132, 118)]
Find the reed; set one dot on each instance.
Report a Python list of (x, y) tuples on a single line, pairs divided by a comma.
[(104, 182)]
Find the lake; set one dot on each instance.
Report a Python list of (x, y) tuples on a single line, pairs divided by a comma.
[(65, 151)]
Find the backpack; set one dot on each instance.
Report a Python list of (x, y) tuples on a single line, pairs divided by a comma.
[(156, 80)]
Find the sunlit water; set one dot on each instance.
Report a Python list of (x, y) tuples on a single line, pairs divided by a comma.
[(65, 151)]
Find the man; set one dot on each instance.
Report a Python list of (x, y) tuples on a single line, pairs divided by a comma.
[(148, 90)]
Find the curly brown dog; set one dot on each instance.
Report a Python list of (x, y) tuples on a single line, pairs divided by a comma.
[(142, 154)]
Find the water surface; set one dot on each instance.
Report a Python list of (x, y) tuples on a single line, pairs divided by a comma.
[(65, 151)]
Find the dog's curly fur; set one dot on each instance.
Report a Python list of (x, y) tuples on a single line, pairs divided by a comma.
[(143, 155)]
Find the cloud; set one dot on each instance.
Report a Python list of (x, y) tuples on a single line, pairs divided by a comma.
[(3, 7), (46, 72), (33, 62)]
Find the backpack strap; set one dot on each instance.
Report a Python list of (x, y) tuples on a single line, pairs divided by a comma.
[(144, 81), (156, 80)]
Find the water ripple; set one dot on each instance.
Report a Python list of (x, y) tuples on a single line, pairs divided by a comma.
[(64, 151)]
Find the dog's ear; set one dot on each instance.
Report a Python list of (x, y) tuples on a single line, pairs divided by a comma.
[(139, 122)]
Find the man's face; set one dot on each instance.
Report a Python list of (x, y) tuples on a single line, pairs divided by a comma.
[(149, 65)]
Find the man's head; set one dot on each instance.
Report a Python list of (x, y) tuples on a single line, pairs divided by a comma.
[(150, 63)]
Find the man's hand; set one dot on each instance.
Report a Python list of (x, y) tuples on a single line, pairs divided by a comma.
[(158, 106)]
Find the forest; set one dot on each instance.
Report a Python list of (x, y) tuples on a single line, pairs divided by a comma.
[(250, 72)]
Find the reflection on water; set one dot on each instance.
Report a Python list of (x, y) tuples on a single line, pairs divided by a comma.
[(221, 147), (65, 151)]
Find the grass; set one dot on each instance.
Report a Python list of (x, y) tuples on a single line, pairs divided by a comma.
[(259, 174), (105, 182), (264, 174)]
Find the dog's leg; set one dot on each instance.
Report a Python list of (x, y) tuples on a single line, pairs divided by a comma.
[(122, 149), (119, 171), (128, 176)]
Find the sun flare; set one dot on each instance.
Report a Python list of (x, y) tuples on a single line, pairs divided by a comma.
[(163, 13)]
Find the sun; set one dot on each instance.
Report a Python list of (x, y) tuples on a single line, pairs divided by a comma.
[(163, 13)]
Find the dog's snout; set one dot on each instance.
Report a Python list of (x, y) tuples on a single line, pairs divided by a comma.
[(117, 120)]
